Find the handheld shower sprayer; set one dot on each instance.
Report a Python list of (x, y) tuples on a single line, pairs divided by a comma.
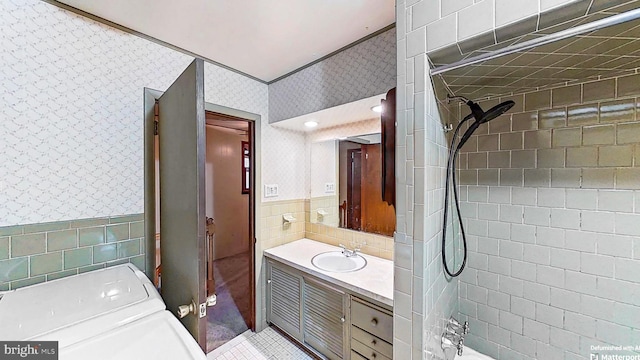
[(480, 117)]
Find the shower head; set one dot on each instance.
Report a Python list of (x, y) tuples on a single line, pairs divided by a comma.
[(496, 111), (483, 117)]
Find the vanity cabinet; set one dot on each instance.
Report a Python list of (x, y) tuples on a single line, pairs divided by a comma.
[(324, 319), (328, 320), (312, 312), (284, 293), (371, 331)]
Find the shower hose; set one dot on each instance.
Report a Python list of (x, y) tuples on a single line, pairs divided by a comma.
[(451, 178)]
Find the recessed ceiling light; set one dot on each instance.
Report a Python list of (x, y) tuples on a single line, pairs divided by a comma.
[(377, 108), (311, 124)]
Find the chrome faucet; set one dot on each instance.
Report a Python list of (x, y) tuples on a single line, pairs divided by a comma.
[(455, 325), (349, 253), (453, 335), (452, 340)]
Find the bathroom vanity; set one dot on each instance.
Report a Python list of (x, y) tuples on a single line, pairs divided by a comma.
[(338, 315)]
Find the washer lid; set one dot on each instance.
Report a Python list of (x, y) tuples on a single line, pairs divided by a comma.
[(114, 295), (158, 336)]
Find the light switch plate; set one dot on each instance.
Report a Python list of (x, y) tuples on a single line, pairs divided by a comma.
[(271, 190), (330, 188)]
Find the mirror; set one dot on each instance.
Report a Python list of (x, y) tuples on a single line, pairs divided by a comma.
[(346, 185), (344, 148)]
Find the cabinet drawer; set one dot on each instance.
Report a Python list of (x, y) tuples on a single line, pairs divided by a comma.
[(366, 352), (372, 320), (356, 356), (373, 342)]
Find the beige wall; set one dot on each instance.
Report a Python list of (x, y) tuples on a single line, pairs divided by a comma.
[(328, 204), (223, 186), (274, 231), (376, 245)]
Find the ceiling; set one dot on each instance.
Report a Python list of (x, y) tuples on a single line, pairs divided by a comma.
[(264, 39), (366, 139), (608, 52), (228, 122), (338, 115)]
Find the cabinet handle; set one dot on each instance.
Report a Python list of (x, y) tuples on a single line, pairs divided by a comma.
[(269, 281), (374, 342), (373, 355), (343, 319), (374, 321)]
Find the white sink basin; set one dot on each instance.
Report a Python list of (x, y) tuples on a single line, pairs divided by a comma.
[(336, 261)]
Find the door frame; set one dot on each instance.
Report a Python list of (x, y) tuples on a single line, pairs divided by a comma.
[(150, 97), (350, 204)]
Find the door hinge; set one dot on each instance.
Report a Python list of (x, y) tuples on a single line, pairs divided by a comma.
[(155, 127)]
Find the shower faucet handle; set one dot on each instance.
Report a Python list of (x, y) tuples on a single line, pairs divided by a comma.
[(451, 339), (457, 326)]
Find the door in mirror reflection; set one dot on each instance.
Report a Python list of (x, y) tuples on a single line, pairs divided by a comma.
[(354, 189), (366, 211)]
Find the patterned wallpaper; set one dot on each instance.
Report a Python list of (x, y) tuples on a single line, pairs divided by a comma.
[(323, 167), (71, 113), (364, 70)]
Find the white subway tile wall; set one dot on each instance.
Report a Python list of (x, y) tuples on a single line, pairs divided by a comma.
[(568, 249), (450, 21), (421, 155)]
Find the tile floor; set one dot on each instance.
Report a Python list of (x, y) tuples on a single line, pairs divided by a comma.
[(265, 345)]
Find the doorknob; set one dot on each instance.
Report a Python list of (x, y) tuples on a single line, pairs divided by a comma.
[(184, 310)]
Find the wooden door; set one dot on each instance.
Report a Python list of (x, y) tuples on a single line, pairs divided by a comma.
[(388, 120), (378, 216), (181, 135)]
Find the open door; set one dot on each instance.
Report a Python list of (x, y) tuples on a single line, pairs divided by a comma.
[(181, 135)]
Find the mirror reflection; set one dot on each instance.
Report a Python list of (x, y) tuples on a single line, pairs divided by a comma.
[(346, 185)]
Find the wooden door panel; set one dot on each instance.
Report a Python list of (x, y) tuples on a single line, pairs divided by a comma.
[(181, 135), (377, 215)]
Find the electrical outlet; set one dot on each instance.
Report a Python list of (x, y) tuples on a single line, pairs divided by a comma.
[(330, 188), (271, 190)]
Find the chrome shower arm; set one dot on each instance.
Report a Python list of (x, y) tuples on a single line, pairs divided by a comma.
[(461, 99)]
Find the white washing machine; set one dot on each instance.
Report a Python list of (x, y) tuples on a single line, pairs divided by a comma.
[(113, 313)]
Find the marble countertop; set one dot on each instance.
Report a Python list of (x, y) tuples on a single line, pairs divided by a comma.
[(374, 281)]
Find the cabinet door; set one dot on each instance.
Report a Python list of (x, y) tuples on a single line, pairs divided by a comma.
[(325, 319), (284, 295)]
